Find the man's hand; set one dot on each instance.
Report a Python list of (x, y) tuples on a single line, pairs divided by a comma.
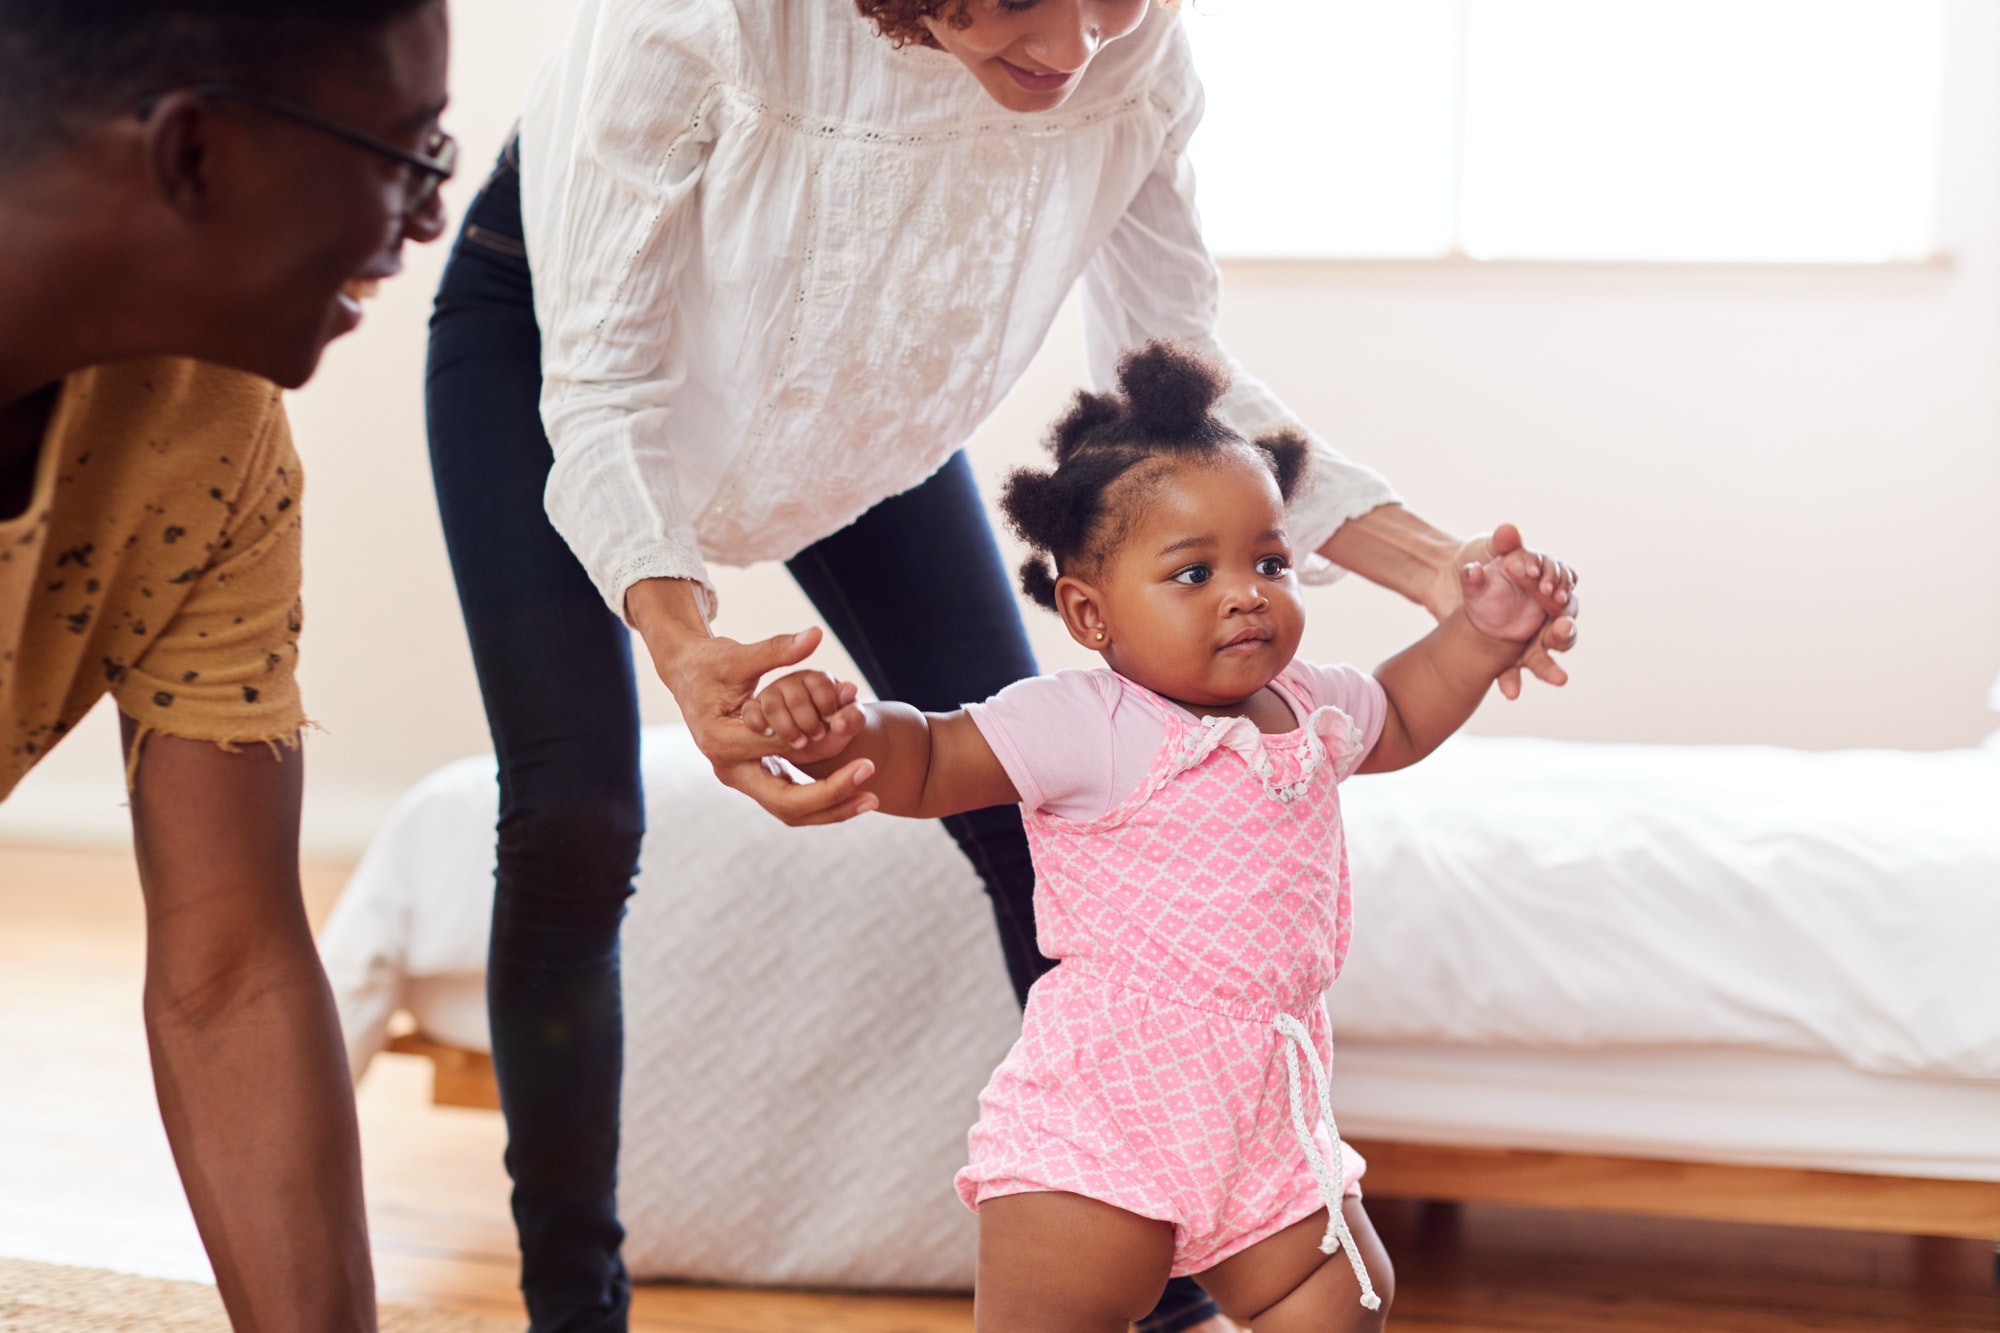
[(1555, 592)]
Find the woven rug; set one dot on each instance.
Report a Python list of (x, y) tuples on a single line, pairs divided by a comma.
[(51, 1298)]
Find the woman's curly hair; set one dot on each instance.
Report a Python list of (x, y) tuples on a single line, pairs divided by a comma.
[(902, 21), (1164, 409)]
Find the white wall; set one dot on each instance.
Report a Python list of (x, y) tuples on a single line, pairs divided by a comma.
[(1782, 485)]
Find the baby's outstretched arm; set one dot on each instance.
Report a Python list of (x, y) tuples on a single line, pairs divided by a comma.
[(1436, 683), (923, 765)]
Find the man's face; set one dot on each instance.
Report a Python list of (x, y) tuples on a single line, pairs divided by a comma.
[(301, 222)]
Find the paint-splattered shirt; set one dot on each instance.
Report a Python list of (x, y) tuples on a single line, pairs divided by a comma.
[(158, 562)]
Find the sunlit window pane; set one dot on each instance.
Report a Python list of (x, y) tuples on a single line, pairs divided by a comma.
[(1702, 129), (1331, 125)]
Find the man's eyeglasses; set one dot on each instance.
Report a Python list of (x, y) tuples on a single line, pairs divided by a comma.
[(427, 170)]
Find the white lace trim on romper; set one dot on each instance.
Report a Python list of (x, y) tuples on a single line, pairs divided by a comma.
[(1241, 735)]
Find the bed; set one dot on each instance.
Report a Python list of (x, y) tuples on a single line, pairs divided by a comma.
[(1731, 982)]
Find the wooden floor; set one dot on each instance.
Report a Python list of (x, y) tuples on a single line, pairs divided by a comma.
[(85, 1179)]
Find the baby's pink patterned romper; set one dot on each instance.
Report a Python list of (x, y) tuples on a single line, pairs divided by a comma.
[(1196, 924)]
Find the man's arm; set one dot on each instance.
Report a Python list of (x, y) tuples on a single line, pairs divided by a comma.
[(247, 1056)]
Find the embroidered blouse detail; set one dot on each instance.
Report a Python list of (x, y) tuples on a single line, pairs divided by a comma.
[(783, 269)]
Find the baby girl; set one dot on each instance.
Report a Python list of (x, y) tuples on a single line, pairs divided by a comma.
[(1166, 1108)]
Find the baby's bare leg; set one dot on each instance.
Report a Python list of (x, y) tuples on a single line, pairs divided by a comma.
[(1061, 1263), (1285, 1285)]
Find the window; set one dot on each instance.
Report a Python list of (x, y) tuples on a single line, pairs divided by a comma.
[(1688, 130)]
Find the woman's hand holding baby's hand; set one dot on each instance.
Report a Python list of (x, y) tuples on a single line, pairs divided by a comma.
[(1556, 592), (1511, 596), (1503, 602), (714, 680), (813, 715)]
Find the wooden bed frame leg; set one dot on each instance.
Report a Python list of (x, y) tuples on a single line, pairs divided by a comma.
[(458, 1077), (1910, 1206)]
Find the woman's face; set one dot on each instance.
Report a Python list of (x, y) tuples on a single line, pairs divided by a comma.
[(1029, 55)]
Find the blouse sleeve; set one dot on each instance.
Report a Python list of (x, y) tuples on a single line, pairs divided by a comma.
[(609, 209), (1154, 278)]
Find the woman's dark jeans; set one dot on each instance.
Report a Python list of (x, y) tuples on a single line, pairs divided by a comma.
[(555, 671)]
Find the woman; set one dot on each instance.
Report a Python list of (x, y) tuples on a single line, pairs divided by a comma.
[(763, 265)]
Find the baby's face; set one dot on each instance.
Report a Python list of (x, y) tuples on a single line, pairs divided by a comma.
[(1200, 602)]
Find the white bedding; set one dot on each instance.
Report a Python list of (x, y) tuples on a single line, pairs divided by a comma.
[(1555, 894), (810, 1014), (1614, 948)]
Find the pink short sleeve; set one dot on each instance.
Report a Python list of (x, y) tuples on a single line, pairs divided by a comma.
[(1051, 733), (1066, 742), (1355, 693)]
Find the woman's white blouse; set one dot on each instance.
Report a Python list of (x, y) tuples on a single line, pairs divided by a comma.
[(783, 269)]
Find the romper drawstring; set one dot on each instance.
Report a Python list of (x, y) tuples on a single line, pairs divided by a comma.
[(1338, 1236)]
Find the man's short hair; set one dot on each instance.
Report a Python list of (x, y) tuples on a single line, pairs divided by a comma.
[(66, 64)]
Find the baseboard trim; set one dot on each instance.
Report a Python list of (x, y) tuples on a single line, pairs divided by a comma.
[(337, 823)]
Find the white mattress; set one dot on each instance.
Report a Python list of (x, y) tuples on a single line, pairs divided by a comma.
[(1553, 894), (1734, 955)]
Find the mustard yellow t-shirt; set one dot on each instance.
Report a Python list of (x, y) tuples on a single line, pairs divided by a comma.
[(158, 562)]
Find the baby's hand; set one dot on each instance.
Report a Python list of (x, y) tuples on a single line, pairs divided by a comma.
[(811, 712), (1505, 597)]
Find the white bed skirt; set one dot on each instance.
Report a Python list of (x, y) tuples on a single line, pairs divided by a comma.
[(1749, 1108)]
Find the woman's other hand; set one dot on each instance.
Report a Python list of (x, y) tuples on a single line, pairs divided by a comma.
[(1506, 598), (1556, 593), (1395, 548), (713, 679)]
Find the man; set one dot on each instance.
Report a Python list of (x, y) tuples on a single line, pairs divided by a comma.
[(193, 196)]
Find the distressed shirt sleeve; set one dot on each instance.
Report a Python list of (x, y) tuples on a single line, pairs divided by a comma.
[(224, 669)]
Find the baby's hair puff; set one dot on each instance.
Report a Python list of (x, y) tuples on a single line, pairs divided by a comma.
[(1164, 411)]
